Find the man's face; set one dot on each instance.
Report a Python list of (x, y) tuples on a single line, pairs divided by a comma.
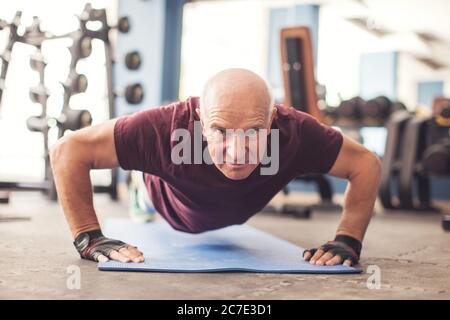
[(236, 136)]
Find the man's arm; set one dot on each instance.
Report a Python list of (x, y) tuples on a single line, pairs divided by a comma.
[(362, 169), (72, 158)]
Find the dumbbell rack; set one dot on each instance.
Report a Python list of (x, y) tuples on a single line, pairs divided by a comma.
[(70, 119), (32, 36), (89, 15)]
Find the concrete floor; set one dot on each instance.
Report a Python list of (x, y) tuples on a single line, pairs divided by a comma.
[(411, 250)]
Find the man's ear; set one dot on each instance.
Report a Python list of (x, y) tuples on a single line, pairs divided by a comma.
[(199, 114), (272, 117)]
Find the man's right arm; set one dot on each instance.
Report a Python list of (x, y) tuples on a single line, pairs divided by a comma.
[(72, 158)]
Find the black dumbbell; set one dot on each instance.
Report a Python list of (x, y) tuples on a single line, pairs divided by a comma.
[(445, 112), (74, 119), (123, 25), (69, 120), (81, 47), (85, 47), (378, 108), (133, 60), (134, 93), (77, 83), (351, 109)]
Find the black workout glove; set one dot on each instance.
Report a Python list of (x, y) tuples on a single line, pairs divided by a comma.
[(346, 247), (92, 244)]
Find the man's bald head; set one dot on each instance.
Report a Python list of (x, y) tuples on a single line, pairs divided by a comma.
[(237, 100), (237, 89)]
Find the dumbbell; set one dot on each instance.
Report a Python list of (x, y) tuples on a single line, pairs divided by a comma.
[(443, 118), (81, 47), (445, 112), (123, 25), (378, 108), (39, 94), (40, 124), (133, 60), (77, 83), (74, 119), (351, 109), (133, 93), (69, 120)]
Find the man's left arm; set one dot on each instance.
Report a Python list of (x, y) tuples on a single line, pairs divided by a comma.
[(362, 169)]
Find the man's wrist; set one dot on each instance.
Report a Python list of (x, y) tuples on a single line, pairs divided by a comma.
[(83, 240), (350, 241), (86, 228)]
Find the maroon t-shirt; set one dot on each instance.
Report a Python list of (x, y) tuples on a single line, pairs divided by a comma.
[(198, 197)]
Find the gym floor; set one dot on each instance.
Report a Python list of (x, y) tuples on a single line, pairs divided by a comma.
[(410, 249)]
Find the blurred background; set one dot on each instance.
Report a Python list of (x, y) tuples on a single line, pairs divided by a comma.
[(362, 49)]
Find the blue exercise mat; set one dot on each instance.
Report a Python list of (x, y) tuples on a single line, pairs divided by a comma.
[(234, 248)]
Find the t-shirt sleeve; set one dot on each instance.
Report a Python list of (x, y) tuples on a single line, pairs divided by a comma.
[(141, 139), (319, 146)]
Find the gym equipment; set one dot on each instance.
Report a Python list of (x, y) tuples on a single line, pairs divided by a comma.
[(71, 120), (411, 174), (234, 248), (359, 113), (351, 110), (298, 70), (436, 158), (417, 148), (90, 17), (123, 25), (440, 103), (133, 60), (93, 24), (33, 35), (446, 222), (300, 92), (378, 108), (392, 159), (134, 93)]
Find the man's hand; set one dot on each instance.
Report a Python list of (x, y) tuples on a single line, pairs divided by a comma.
[(93, 245), (344, 249)]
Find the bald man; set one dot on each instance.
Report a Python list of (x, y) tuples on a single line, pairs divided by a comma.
[(227, 186)]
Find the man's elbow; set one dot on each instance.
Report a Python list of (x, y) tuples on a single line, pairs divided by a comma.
[(62, 153), (372, 165)]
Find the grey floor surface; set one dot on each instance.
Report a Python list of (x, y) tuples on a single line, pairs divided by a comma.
[(411, 252)]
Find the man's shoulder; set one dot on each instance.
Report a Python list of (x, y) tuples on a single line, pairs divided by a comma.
[(291, 117), (174, 114), (290, 113)]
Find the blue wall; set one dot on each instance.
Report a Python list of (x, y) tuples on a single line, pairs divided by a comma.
[(428, 90), (378, 75), (147, 22)]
